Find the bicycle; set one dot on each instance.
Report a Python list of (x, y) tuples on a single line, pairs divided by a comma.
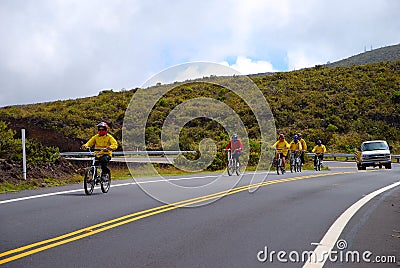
[(295, 161), (280, 168), (318, 162), (233, 164), (94, 177)]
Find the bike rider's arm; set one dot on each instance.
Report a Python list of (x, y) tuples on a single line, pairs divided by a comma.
[(274, 146), (287, 145), (89, 143), (228, 146), (304, 145), (113, 144), (240, 146)]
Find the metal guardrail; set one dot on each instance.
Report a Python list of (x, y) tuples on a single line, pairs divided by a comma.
[(126, 156), (334, 156), (125, 153), (349, 156), (76, 155)]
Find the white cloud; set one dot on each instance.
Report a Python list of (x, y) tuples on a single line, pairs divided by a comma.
[(190, 71), (248, 66)]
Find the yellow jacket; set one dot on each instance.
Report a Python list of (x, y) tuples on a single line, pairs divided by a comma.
[(303, 144), (282, 145), (101, 142), (319, 149), (295, 146)]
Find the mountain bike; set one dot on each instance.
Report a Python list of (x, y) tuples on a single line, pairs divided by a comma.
[(318, 162), (233, 164), (95, 176), (295, 161), (280, 168)]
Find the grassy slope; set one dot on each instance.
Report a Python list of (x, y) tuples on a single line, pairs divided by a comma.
[(389, 53), (342, 106)]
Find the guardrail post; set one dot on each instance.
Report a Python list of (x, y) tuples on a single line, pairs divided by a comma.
[(23, 154)]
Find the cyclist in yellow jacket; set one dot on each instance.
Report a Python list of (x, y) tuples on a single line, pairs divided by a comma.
[(295, 145), (304, 147), (105, 143), (319, 151), (282, 147)]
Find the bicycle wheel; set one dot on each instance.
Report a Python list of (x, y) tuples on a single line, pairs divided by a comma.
[(299, 165), (88, 181), (292, 164), (237, 167), (278, 165), (105, 182), (283, 170), (230, 167)]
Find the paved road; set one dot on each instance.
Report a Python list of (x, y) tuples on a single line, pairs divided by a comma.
[(61, 227)]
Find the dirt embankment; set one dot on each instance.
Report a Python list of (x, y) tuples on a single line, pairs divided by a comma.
[(11, 171), (36, 129)]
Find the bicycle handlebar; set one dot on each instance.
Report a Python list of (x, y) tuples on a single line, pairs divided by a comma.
[(236, 150), (92, 150)]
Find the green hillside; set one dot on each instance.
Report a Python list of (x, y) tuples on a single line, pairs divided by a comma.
[(342, 106), (389, 53)]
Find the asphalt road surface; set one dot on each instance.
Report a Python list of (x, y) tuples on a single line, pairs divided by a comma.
[(287, 217)]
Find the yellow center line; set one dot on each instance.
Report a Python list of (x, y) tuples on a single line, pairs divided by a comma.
[(104, 226)]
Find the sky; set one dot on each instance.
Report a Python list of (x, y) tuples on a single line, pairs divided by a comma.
[(66, 49)]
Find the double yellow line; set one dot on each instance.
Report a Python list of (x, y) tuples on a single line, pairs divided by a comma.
[(30, 249)]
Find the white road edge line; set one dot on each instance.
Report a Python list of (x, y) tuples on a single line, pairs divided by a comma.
[(116, 185), (322, 251)]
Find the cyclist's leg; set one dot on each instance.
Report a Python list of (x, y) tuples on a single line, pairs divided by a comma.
[(104, 164), (283, 160), (237, 155), (315, 160)]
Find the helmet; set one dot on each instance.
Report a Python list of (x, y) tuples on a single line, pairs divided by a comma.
[(234, 136), (281, 136), (102, 125), (319, 142), (296, 138)]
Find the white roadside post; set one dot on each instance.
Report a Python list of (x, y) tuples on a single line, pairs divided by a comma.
[(23, 154)]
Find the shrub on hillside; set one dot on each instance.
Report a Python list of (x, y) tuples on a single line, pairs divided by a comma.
[(37, 153)]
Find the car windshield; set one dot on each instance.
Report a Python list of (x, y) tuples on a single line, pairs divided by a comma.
[(371, 146)]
